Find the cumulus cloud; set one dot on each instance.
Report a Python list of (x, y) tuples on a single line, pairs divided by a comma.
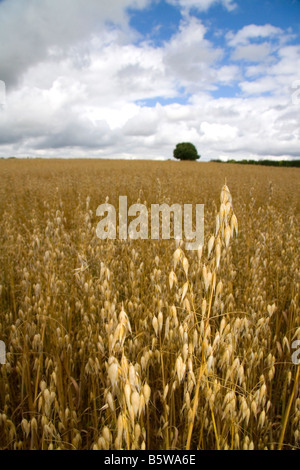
[(218, 132), (79, 85), (189, 56), (253, 52), (203, 5), (30, 30), (251, 32), (274, 76)]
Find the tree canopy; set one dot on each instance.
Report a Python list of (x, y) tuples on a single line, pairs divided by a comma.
[(186, 151)]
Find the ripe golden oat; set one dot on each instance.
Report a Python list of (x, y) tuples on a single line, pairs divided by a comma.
[(138, 344)]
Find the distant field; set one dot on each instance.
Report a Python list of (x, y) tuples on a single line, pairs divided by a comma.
[(142, 344)]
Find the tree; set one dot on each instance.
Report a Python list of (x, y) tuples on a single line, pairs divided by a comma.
[(186, 151)]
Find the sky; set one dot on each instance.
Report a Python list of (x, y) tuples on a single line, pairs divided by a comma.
[(132, 78)]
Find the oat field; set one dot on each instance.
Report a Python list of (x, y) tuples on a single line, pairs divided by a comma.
[(141, 344)]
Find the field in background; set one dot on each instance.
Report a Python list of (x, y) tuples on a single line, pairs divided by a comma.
[(142, 344)]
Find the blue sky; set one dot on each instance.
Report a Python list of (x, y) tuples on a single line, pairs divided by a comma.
[(131, 78), (160, 20)]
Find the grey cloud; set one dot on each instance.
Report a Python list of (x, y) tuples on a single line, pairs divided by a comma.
[(252, 52), (253, 31), (78, 134), (144, 124), (29, 29), (203, 5), (189, 56), (83, 86)]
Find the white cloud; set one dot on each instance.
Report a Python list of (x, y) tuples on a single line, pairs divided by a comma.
[(189, 56), (144, 123), (80, 85), (276, 77), (260, 86), (218, 132), (203, 5), (289, 61), (37, 27), (252, 52), (252, 31), (227, 74)]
